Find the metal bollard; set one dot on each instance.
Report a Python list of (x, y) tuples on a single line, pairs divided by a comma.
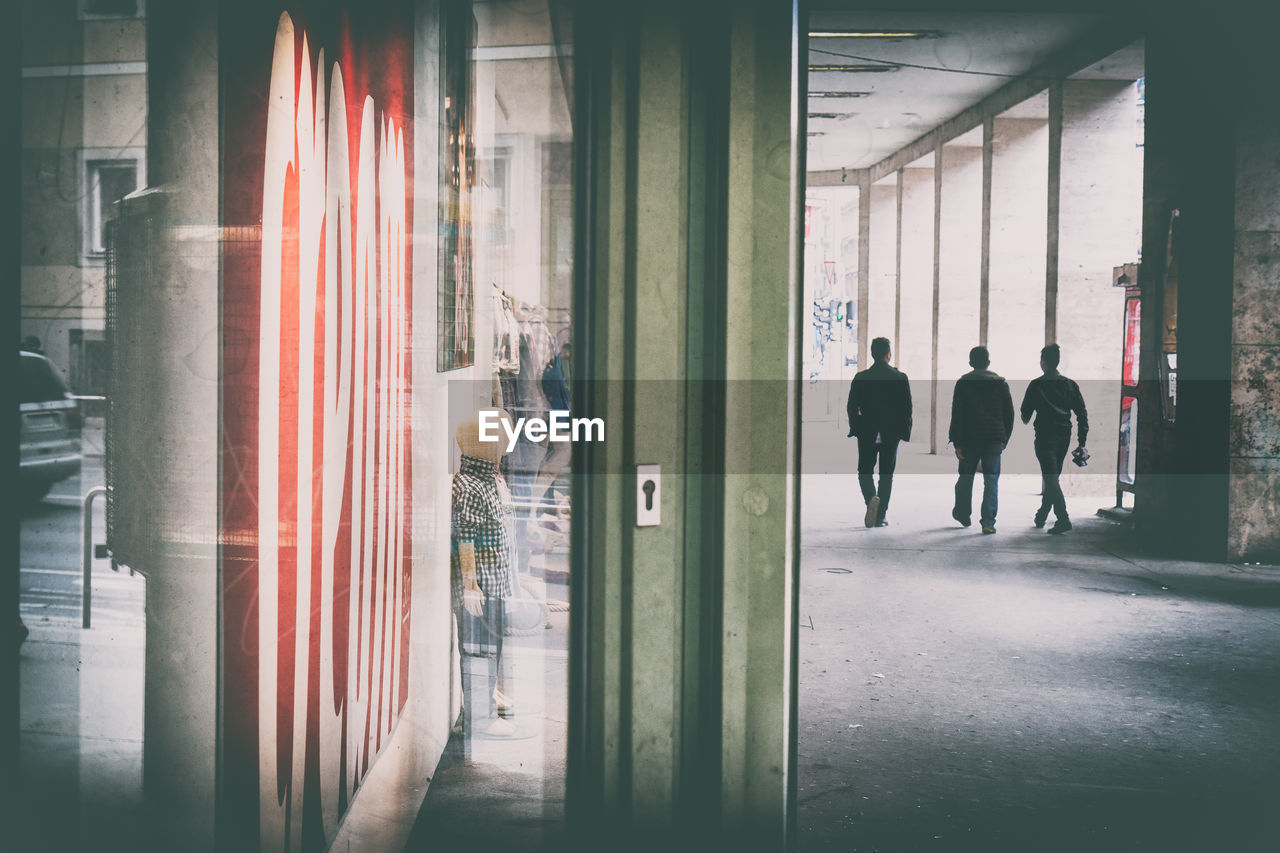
[(87, 595)]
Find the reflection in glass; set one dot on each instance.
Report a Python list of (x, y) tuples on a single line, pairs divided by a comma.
[(509, 199)]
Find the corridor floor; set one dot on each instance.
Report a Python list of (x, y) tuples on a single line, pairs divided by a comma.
[(1028, 692)]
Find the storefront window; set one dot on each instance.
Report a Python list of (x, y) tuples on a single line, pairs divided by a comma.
[(509, 176)]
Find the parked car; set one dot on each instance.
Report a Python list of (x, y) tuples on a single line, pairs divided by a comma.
[(49, 434)]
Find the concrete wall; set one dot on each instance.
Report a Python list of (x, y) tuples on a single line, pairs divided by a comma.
[(1253, 530), (66, 111)]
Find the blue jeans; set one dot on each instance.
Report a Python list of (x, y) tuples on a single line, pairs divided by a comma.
[(989, 456)]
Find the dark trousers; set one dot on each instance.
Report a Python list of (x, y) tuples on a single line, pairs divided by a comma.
[(869, 454), (989, 456), (1051, 450)]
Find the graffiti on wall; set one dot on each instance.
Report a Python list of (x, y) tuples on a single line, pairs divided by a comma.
[(316, 465)]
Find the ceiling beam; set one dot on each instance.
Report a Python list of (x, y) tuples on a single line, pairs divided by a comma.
[(1111, 35), (834, 178)]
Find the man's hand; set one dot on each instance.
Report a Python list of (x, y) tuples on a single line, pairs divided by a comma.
[(959, 454), (473, 600)]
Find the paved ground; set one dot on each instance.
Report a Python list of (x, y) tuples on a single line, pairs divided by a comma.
[(1027, 692), (81, 690)]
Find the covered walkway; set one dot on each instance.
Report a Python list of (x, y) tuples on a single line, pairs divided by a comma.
[(1024, 691)]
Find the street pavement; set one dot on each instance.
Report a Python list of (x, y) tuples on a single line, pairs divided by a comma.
[(1028, 692), (81, 712)]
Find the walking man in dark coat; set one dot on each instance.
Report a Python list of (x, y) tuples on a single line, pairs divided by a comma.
[(880, 417), (1052, 398), (981, 423)]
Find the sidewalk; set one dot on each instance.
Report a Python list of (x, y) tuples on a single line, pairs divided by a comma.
[(1024, 691), (81, 738)]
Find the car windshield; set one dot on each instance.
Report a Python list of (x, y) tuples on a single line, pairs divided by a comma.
[(39, 382)]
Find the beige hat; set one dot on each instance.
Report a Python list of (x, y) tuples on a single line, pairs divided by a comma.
[(468, 436)]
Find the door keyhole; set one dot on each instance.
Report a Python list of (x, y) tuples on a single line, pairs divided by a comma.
[(649, 487)]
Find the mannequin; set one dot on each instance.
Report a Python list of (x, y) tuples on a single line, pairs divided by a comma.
[(481, 577)]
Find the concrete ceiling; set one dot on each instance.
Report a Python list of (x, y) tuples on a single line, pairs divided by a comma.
[(972, 55)]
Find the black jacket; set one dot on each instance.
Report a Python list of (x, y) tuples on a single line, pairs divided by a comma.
[(880, 402), (1052, 398), (981, 410)]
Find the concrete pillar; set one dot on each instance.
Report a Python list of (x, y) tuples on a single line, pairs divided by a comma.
[(960, 248), (164, 442), (1018, 217), (882, 284), (684, 711), (1253, 521), (913, 350), (1099, 225)]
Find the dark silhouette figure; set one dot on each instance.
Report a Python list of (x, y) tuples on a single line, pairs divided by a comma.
[(879, 416), (981, 423), (1052, 398)]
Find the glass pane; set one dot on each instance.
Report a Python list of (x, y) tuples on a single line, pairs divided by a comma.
[(510, 167), (82, 657)]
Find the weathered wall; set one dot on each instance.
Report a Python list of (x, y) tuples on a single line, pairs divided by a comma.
[(1254, 499), (73, 104)]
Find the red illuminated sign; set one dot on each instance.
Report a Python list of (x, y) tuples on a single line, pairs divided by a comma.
[(316, 473)]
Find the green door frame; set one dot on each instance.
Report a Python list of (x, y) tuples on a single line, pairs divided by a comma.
[(689, 195)]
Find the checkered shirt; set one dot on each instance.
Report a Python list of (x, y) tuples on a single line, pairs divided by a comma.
[(481, 514)]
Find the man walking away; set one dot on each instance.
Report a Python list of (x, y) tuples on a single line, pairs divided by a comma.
[(1052, 398), (981, 423), (880, 416)]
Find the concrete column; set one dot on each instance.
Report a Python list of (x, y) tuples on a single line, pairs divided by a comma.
[(634, 774), (1253, 521), (165, 443), (913, 348), (882, 265), (984, 273), (960, 250), (864, 269), (761, 494), (1099, 223), (1018, 223)]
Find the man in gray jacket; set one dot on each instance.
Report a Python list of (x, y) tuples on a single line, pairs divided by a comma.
[(981, 423)]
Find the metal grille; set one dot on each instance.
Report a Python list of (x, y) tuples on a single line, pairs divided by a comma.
[(112, 302)]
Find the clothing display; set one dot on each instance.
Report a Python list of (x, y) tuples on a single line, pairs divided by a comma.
[(481, 516), (506, 333)]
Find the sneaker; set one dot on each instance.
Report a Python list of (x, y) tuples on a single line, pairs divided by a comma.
[(1042, 515), (988, 527), (963, 519), (1062, 525), (873, 512), (880, 522)]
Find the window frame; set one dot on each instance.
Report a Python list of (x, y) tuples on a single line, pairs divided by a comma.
[(91, 212)]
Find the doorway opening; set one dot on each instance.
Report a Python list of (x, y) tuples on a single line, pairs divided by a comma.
[(977, 180)]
